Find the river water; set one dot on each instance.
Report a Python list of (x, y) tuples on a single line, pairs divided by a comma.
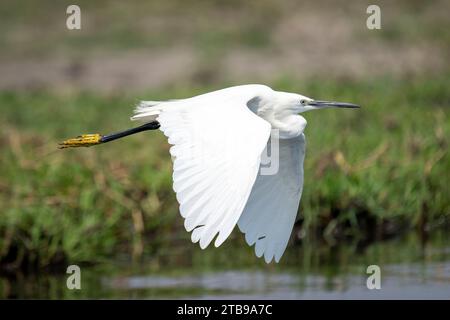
[(409, 269)]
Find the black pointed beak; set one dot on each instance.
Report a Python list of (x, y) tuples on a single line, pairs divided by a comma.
[(324, 104)]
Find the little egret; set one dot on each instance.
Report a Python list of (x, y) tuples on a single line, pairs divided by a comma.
[(218, 139)]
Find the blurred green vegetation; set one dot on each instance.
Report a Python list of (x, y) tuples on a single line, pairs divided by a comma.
[(114, 25), (209, 27), (370, 174)]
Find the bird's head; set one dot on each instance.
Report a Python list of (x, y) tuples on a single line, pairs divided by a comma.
[(301, 103)]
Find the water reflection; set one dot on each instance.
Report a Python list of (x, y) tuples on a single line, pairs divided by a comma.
[(398, 281), (409, 271)]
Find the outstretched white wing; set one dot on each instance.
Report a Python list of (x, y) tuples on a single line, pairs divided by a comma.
[(270, 213), (216, 149)]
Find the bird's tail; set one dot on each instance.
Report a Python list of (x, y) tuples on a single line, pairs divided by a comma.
[(149, 110)]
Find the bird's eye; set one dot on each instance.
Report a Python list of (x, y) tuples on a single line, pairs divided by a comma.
[(303, 101)]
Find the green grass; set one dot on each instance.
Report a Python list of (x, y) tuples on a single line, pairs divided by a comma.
[(370, 173)]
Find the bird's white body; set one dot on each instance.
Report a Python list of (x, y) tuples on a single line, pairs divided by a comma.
[(218, 139), (280, 109)]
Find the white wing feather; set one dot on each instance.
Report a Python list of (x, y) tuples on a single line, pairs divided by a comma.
[(217, 145), (216, 149), (270, 213)]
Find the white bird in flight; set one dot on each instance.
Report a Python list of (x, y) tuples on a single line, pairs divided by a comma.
[(218, 140)]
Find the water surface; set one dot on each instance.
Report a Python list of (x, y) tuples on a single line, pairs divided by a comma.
[(410, 269)]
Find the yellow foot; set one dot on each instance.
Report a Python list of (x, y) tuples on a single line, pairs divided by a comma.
[(85, 140)]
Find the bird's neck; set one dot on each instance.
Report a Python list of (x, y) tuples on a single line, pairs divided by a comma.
[(289, 124)]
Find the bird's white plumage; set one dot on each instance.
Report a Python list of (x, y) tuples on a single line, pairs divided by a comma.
[(216, 150), (218, 139), (272, 207)]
